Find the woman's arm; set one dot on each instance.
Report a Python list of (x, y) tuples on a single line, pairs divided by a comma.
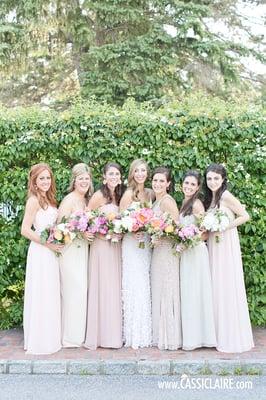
[(198, 211), (198, 208), (234, 204), (126, 200), (65, 209), (32, 206), (97, 200), (169, 205)]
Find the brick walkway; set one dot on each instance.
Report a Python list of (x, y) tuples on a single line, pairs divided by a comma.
[(11, 348)]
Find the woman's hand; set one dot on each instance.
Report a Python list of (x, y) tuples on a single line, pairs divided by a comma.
[(155, 242), (204, 235), (89, 236), (116, 237), (56, 247), (100, 236)]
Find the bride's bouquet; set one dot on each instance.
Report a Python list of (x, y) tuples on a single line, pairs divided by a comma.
[(133, 220), (215, 220)]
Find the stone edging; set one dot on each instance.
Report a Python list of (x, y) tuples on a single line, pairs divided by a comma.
[(141, 367)]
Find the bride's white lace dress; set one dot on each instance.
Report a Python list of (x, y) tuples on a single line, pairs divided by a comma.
[(136, 293)]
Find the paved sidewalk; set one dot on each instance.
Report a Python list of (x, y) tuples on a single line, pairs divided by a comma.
[(13, 359)]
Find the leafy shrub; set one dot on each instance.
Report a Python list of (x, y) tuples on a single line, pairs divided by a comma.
[(180, 135)]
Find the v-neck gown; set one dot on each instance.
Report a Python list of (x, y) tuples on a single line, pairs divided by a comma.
[(104, 315), (233, 328), (42, 310)]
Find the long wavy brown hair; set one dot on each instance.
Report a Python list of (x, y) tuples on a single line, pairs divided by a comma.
[(218, 169), (132, 184), (167, 172), (187, 207), (44, 199), (119, 190)]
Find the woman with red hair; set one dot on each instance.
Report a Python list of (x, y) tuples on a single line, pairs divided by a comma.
[(41, 319)]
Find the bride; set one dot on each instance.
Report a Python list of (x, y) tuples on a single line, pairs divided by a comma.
[(136, 265)]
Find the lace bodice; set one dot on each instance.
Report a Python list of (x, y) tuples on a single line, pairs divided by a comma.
[(45, 218)]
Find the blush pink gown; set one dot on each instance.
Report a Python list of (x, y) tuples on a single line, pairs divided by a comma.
[(41, 318), (232, 323), (104, 315)]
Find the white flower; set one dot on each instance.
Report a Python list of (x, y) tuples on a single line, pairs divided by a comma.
[(127, 223), (224, 223), (145, 151), (62, 227), (72, 235), (209, 221), (215, 221), (117, 225)]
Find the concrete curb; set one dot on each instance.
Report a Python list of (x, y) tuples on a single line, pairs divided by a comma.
[(141, 367)]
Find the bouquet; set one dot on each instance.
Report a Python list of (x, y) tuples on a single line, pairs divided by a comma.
[(103, 224), (215, 220), (113, 233), (78, 222), (161, 225), (98, 223), (186, 236), (57, 234), (134, 219)]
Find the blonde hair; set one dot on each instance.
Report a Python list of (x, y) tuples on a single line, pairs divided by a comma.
[(78, 170), (49, 198), (132, 184)]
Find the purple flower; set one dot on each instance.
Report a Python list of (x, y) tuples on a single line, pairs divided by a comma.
[(82, 223)]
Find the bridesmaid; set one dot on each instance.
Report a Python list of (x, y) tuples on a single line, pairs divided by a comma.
[(104, 318), (136, 265), (197, 315), (233, 328), (74, 262), (41, 318), (166, 319)]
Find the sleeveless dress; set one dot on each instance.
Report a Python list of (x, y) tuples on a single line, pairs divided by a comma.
[(42, 313), (136, 292), (74, 282), (233, 328), (198, 328), (166, 318), (104, 315)]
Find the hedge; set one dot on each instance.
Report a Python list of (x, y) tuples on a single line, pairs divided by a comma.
[(180, 135)]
